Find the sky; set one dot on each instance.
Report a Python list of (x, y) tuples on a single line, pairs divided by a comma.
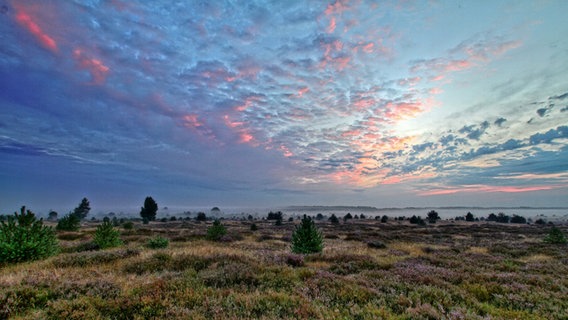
[(271, 103)]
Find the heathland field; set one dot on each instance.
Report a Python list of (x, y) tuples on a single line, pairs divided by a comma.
[(367, 270)]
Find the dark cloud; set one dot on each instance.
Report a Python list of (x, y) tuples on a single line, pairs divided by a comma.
[(542, 112), (549, 136), (500, 121)]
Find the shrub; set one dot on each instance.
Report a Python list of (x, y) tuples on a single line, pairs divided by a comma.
[(158, 243), (295, 260), (106, 236), (307, 238), (469, 217), (216, 231), (24, 238), (347, 217), (69, 222), (128, 225), (384, 219), (555, 236), (253, 227), (376, 245)]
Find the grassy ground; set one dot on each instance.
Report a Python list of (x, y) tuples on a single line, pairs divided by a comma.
[(443, 271)]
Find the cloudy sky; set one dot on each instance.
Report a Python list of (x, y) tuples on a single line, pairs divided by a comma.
[(253, 103)]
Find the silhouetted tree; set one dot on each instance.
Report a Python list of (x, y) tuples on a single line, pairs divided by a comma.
[(518, 219), (82, 210), (333, 219), (384, 219), (469, 217), (347, 217), (417, 220), (492, 217), (52, 216), (319, 216), (201, 216), (503, 218), (274, 215), (149, 210), (433, 216)]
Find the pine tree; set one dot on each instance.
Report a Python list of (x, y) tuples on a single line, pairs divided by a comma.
[(307, 238), (82, 210), (24, 238), (149, 210)]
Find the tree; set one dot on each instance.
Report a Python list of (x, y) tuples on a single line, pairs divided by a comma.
[(69, 222), (24, 238), (518, 219), (148, 211), (82, 210), (307, 238), (216, 231), (433, 216), (106, 236), (52, 215), (503, 218), (555, 236), (347, 217), (333, 219), (384, 219), (274, 215), (492, 217), (469, 217), (417, 220), (201, 216)]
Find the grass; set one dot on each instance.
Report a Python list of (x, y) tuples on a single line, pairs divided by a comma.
[(450, 270)]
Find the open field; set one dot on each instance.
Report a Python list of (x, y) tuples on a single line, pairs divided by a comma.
[(448, 270)]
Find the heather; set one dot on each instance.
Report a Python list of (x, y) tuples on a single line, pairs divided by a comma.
[(367, 269)]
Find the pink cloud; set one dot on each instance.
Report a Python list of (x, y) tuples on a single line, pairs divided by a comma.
[(26, 20), (302, 91), (369, 47), (402, 110), (331, 26), (96, 68), (285, 151), (485, 189), (336, 8), (364, 103)]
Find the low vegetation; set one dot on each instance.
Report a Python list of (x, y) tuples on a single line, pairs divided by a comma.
[(364, 269)]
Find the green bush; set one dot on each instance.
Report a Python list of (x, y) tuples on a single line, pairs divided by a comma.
[(106, 236), (555, 236), (158, 243), (128, 225), (69, 222), (24, 238), (216, 231), (307, 238)]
